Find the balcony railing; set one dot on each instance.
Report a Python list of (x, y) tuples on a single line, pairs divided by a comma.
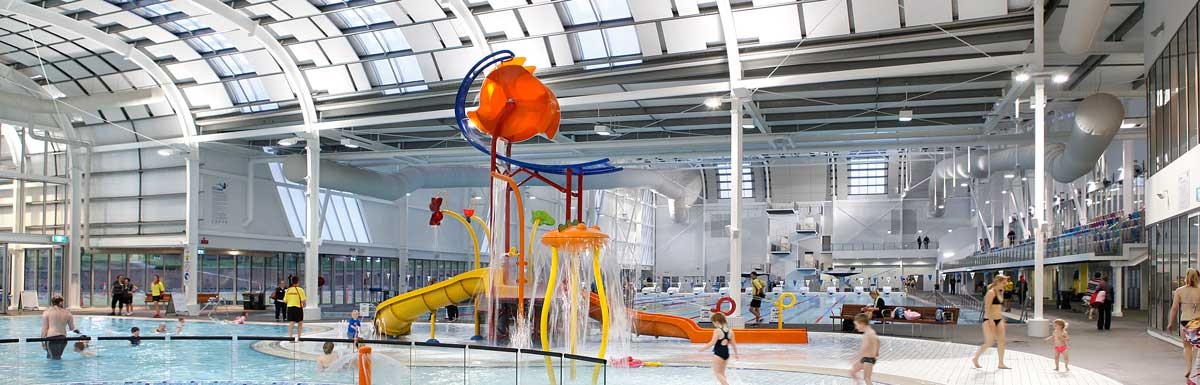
[(867, 246), (1102, 238), (271, 360)]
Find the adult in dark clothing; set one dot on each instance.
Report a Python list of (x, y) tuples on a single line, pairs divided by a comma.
[(117, 293), (1104, 320), (280, 306), (1012, 238), (1022, 289), (926, 242), (918, 241)]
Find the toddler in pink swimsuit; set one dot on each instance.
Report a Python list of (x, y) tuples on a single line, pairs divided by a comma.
[(1061, 338)]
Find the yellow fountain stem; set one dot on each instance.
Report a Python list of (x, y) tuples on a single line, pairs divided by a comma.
[(781, 306), (573, 291), (545, 319), (433, 325), (475, 242), (482, 223), (603, 310)]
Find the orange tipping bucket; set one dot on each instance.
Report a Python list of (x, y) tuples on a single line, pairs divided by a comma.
[(515, 105), (575, 238)]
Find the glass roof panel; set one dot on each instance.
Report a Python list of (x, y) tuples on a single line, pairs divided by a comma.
[(378, 42), (592, 11), (231, 65), (360, 17), (210, 43)]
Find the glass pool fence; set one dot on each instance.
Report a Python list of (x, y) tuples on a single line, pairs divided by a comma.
[(248, 359)]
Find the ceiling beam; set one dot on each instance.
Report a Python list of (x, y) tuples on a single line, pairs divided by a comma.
[(1093, 61)]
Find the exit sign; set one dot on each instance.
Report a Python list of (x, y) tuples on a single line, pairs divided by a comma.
[(58, 239)]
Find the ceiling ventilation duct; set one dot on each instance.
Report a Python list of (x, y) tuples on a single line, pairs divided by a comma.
[(1083, 21), (681, 187), (1097, 120)]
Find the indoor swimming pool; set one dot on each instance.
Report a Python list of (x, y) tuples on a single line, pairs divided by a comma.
[(184, 360), (810, 308)]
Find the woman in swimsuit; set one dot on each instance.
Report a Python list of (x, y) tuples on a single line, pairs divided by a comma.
[(994, 326), (1185, 304), (722, 341)]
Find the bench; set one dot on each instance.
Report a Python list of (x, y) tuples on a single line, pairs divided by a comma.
[(928, 316)]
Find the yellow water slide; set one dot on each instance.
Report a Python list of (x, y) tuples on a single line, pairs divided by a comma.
[(395, 316)]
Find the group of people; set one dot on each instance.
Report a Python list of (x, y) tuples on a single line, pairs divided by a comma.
[(122, 291), (922, 242)]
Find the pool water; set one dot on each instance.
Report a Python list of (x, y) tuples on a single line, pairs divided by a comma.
[(196, 362)]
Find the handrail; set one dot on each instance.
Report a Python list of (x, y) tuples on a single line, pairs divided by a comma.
[(310, 339)]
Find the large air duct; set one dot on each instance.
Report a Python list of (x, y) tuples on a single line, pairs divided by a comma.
[(1084, 19), (1097, 120), (682, 187)]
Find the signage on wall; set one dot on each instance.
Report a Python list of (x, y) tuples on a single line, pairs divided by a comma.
[(1197, 194), (220, 204), (58, 239)]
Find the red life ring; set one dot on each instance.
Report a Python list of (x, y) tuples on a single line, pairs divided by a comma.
[(723, 300)]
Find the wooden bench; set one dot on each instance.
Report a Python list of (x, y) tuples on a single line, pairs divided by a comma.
[(928, 316)]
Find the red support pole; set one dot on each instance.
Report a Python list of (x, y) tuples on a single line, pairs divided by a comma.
[(579, 186), (568, 194)]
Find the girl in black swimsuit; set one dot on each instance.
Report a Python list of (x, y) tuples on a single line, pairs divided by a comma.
[(722, 341), (994, 327)]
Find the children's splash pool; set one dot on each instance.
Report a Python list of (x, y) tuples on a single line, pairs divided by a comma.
[(172, 361)]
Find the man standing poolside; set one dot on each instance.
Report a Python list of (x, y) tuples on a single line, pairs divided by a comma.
[(295, 299), (756, 297)]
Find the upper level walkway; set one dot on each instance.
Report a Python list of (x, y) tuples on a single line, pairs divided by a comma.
[(1114, 237)]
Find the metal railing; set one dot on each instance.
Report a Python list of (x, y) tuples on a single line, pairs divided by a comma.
[(868, 246), (183, 359), (1105, 240)]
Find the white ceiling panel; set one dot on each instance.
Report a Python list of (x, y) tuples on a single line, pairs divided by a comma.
[(875, 15), (137, 112), (560, 50), (162, 108), (217, 23), (339, 51), (153, 33), (297, 8), (769, 25), (262, 61), (454, 63), (333, 80), (93, 86), (308, 53), (326, 26), (497, 4), (359, 76), (125, 19), (96, 65), (422, 37), (277, 88), (691, 34), (41, 36), (826, 18), (423, 10), (208, 95), (502, 22), (429, 70), (177, 49), (643, 10), (921, 12), (533, 50), (301, 29), (395, 13), (99, 7), (73, 69), (687, 7), (974, 9), (117, 82), (449, 33), (648, 40), (197, 71), (140, 79), (541, 19), (265, 10)]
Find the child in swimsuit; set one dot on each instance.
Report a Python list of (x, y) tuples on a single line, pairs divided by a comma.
[(869, 353), (1061, 338), (722, 341)]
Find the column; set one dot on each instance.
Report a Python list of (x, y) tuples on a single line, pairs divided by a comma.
[(1118, 283), (74, 221), (191, 258), (312, 234), (1127, 177), (17, 255), (1038, 326), (735, 210)]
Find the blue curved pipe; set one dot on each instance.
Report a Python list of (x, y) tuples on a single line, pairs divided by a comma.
[(594, 167)]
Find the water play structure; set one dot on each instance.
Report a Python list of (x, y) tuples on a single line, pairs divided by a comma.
[(534, 289)]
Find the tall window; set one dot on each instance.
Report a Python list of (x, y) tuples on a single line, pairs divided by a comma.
[(868, 173), (725, 183), (344, 220)]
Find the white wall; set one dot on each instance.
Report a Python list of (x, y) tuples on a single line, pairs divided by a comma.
[(1169, 14)]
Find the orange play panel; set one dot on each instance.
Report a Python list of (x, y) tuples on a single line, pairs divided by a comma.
[(662, 325)]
